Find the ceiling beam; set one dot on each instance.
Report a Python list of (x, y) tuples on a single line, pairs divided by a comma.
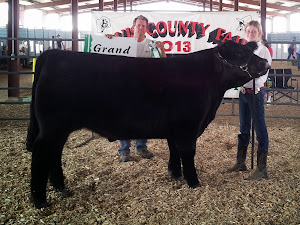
[(242, 8), (270, 5), (269, 13), (51, 4), (88, 6), (250, 2), (110, 5), (91, 6)]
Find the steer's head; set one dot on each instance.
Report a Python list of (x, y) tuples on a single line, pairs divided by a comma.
[(240, 63)]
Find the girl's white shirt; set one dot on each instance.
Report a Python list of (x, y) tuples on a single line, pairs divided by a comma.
[(263, 52)]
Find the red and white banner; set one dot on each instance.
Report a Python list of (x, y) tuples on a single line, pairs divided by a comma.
[(181, 33)]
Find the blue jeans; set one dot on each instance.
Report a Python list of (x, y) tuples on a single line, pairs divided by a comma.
[(140, 145), (290, 53), (298, 63), (246, 108)]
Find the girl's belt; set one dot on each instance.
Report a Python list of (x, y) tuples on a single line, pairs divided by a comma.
[(250, 90)]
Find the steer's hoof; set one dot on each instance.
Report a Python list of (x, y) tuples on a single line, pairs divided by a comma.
[(37, 203), (60, 189), (177, 177), (193, 184), (40, 205), (65, 192)]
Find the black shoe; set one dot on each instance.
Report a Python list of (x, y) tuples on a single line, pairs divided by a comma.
[(125, 157), (144, 154)]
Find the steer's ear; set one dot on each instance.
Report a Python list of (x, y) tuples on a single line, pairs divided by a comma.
[(228, 44), (252, 45), (227, 47)]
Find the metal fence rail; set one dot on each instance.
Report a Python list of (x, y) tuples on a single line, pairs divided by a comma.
[(233, 102)]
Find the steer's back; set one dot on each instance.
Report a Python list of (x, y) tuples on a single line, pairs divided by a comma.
[(117, 96)]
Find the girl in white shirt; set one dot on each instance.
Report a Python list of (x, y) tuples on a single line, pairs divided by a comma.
[(253, 31)]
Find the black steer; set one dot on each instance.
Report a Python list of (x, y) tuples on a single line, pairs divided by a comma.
[(130, 98)]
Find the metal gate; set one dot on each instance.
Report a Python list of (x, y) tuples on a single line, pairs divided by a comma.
[(9, 105)]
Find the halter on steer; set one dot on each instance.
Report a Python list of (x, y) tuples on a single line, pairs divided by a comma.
[(243, 67)]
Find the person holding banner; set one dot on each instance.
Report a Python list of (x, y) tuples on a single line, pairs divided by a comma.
[(147, 49), (247, 107)]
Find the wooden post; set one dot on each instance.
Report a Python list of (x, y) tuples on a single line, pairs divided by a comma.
[(263, 6), (100, 5), (74, 6), (236, 5), (131, 1), (115, 5), (13, 48)]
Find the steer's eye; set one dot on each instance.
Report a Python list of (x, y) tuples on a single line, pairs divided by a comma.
[(261, 64)]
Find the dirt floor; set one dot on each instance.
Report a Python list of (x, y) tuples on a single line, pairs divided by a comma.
[(105, 191)]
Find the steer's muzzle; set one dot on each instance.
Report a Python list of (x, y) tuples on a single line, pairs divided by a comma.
[(261, 68)]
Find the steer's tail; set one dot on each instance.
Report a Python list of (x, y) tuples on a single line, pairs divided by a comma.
[(33, 128)]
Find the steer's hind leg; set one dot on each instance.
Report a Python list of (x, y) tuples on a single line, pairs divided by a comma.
[(46, 153), (174, 165), (39, 172), (56, 176)]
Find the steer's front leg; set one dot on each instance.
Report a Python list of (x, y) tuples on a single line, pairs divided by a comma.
[(174, 165), (189, 172), (187, 150)]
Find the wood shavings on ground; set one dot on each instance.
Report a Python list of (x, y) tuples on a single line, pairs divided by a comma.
[(105, 191)]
